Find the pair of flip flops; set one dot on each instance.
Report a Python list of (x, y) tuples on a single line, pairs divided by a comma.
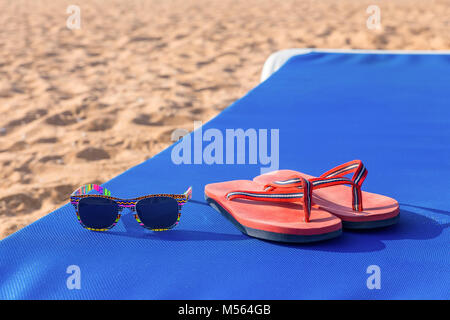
[(291, 206)]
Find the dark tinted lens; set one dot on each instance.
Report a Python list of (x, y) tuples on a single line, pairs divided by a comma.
[(97, 213), (158, 212)]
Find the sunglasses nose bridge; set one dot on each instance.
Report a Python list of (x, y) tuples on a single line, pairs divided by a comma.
[(127, 205)]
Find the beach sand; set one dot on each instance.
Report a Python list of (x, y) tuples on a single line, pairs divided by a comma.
[(82, 106)]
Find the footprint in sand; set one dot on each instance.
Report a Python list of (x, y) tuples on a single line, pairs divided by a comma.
[(56, 159), (205, 62), (160, 46), (13, 228), (93, 154), (198, 111), (161, 89), (146, 120), (145, 39), (61, 193), (16, 146), (143, 120), (98, 63), (29, 117), (18, 204), (47, 140), (185, 84), (180, 36), (99, 124), (62, 119), (210, 88), (165, 136)]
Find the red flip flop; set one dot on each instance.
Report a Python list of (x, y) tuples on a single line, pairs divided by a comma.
[(285, 216), (357, 209)]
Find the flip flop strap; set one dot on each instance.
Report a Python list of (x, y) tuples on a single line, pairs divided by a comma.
[(335, 177), (290, 195), (356, 167), (359, 175)]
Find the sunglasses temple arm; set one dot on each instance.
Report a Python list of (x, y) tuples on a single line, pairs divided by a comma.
[(188, 193)]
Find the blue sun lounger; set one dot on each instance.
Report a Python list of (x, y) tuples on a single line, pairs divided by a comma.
[(392, 110)]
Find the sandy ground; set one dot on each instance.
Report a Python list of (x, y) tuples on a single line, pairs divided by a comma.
[(81, 106)]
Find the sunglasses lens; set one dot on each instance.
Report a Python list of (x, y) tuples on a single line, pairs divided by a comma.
[(158, 212), (97, 213)]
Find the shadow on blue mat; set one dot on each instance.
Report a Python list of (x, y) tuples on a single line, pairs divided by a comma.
[(133, 230), (425, 208), (180, 235), (199, 202), (412, 226)]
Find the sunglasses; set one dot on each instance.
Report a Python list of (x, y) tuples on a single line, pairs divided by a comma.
[(101, 212)]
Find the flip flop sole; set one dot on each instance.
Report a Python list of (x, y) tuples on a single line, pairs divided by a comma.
[(371, 224), (268, 235)]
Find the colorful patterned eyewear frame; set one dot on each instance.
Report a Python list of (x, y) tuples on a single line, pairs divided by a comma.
[(83, 191)]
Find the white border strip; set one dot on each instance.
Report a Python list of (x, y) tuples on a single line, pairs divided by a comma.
[(278, 59)]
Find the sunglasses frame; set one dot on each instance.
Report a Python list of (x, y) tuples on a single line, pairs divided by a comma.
[(129, 204)]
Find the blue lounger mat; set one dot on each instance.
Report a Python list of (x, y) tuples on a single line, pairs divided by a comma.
[(390, 110)]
